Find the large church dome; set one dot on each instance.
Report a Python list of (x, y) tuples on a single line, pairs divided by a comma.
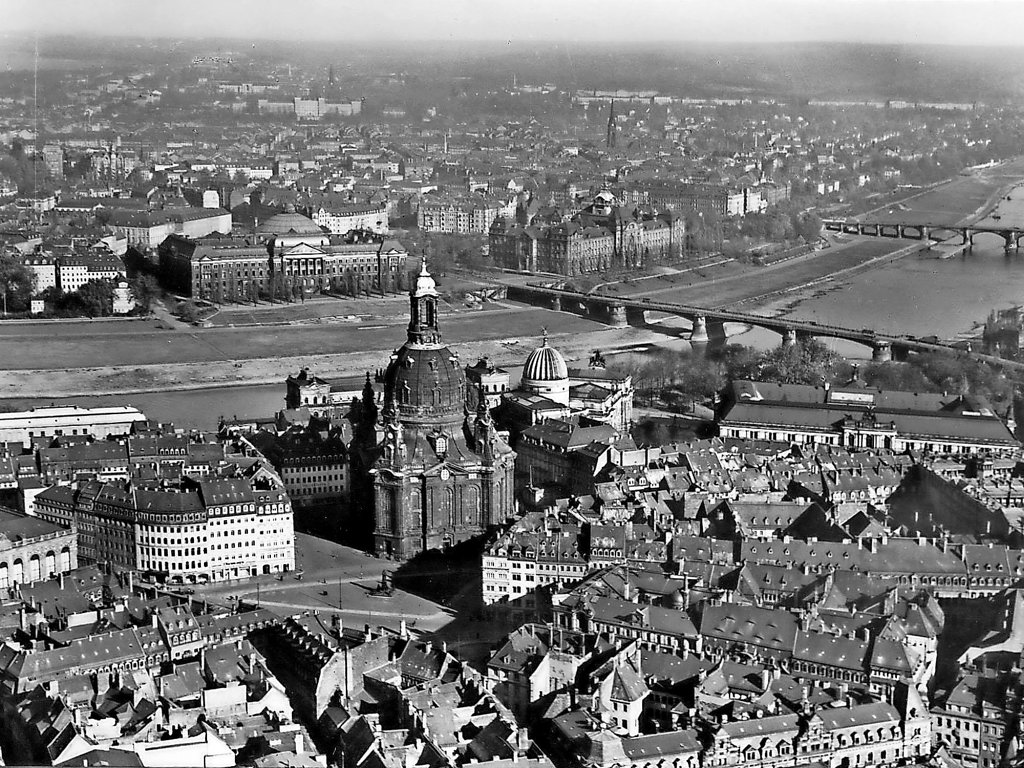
[(289, 222), (425, 382), (545, 364)]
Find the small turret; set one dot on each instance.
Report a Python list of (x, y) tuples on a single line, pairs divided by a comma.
[(483, 426)]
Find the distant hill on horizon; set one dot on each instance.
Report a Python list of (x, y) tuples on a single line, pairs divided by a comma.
[(792, 71)]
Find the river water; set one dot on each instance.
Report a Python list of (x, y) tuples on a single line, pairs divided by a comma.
[(919, 294)]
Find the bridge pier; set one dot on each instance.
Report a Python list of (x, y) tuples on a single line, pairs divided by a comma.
[(881, 351), (617, 316), (789, 337), (636, 317), (556, 303), (900, 233), (699, 331)]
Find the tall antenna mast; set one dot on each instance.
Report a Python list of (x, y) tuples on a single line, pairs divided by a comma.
[(35, 126)]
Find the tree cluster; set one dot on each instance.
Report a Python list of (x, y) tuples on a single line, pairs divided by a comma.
[(17, 282), (93, 299), (676, 380), (444, 252)]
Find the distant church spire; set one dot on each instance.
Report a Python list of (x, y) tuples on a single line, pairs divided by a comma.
[(610, 138)]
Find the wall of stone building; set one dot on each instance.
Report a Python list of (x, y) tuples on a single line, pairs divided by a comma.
[(540, 464), (61, 550)]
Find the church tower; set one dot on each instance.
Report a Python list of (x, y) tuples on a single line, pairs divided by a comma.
[(611, 137), (442, 475)]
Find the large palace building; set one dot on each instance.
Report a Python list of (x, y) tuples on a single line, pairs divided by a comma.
[(860, 418), (287, 251), (440, 474)]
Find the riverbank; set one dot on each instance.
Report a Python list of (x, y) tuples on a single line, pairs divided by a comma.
[(120, 359), (127, 380)]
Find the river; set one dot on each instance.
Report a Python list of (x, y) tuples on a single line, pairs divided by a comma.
[(920, 295), (200, 408)]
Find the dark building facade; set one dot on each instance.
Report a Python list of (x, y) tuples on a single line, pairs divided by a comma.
[(440, 475), (604, 235), (287, 252)]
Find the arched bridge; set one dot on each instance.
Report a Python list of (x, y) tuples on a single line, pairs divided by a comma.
[(709, 324), (925, 231)]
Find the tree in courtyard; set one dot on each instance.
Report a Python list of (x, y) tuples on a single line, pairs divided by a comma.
[(808, 226), (806, 362), (145, 289), (17, 282), (97, 298), (189, 312)]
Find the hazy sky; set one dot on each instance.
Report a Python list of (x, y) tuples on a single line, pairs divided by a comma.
[(887, 21)]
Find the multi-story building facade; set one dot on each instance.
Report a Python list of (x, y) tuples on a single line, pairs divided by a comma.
[(191, 529), (976, 719), (862, 418), (341, 219), (287, 252), (147, 229), (75, 271), (462, 217), (44, 268), (514, 567), (312, 462), (236, 268), (56, 420), (53, 159), (603, 236)]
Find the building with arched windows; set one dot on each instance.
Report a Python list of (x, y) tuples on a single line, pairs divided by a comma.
[(33, 550), (440, 475)]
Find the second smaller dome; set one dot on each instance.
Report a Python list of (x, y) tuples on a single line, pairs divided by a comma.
[(545, 364)]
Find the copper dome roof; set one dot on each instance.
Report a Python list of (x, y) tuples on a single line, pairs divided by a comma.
[(426, 384), (289, 222)]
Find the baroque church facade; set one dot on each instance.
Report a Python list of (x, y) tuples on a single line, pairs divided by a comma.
[(438, 472)]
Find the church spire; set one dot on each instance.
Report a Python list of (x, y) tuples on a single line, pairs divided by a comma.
[(423, 310), (610, 138)]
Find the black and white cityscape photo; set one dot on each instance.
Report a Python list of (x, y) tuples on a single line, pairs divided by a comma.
[(555, 384)]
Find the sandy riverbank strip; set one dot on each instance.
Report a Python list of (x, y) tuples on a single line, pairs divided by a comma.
[(127, 380)]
